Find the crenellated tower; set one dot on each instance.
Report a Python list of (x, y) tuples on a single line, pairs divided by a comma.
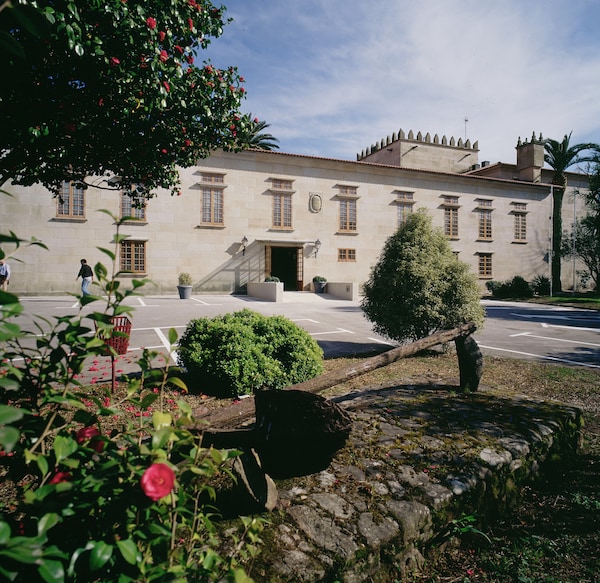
[(422, 152)]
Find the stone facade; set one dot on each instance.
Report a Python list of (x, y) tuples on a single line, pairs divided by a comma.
[(242, 217)]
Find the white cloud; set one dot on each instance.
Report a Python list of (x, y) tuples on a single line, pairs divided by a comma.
[(332, 77)]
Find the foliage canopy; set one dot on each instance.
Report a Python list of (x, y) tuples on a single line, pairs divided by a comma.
[(112, 88), (418, 286)]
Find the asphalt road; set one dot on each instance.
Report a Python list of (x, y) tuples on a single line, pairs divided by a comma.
[(537, 332)]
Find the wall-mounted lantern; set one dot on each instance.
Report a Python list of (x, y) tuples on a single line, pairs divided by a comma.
[(244, 243), (317, 245)]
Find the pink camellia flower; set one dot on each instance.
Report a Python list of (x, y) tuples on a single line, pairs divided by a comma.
[(161, 35), (60, 477), (114, 61), (167, 86), (157, 481), (151, 22), (178, 49), (163, 56), (191, 23)]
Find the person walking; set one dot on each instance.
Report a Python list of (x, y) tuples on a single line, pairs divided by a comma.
[(4, 275), (87, 275)]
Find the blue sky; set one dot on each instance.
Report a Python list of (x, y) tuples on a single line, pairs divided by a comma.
[(332, 77)]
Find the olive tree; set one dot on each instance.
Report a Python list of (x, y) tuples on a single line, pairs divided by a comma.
[(418, 286)]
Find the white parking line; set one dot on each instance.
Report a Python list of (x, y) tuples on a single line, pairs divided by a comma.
[(530, 335), (338, 331), (566, 361), (569, 327), (305, 320), (380, 341), (166, 344)]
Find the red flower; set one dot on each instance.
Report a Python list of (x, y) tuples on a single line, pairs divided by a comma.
[(60, 477), (178, 49), (167, 86), (90, 434), (151, 22), (191, 23), (161, 35), (187, 142), (114, 61), (157, 481), (163, 56)]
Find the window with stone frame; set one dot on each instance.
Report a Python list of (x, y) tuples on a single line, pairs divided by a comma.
[(133, 206), (212, 188), (484, 218), (282, 211), (519, 213), (133, 256), (71, 201), (347, 219), (450, 206), (347, 255), (485, 264)]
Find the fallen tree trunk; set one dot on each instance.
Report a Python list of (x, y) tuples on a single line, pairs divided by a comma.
[(244, 410)]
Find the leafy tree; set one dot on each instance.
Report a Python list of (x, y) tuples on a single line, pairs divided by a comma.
[(586, 231), (560, 156), (418, 286), (111, 88)]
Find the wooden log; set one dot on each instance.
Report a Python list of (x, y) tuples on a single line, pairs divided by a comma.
[(243, 411)]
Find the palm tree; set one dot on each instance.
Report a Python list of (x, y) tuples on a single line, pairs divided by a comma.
[(560, 156), (255, 136)]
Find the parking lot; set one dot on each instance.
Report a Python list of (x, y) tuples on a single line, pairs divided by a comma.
[(518, 330)]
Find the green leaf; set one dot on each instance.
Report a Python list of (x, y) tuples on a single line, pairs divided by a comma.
[(47, 522), (129, 551), (9, 436), (101, 553), (52, 571), (4, 533), (64, 447), (172, 336), (10, 414)]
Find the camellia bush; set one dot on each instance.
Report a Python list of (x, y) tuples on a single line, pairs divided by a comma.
[(116, 89), (236, 354), (418, 286), (86, 497)]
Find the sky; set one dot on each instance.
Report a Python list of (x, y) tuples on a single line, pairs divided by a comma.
[(333, 77)]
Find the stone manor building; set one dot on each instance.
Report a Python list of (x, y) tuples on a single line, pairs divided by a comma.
[(243, 217)]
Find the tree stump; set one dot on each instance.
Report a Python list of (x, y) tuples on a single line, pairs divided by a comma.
[(470, 362)]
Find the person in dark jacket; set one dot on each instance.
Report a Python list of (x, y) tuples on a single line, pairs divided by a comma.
[(87, 276)]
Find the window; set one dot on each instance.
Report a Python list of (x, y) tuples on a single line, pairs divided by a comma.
[(404, 211), (484, 210), (212, 187), (346, 254), (485, 264), (344, 190), (282, 211), (405, 202), (520, 222), (133, 206), (71, 201), (450, 206), (281, 191), (485, 224), (133, 256), (348, 215), (212, 206), (212, 178)]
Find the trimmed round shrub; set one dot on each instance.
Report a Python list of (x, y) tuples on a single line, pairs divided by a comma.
[(239, 353)]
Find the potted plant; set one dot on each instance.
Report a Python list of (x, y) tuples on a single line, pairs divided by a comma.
[(319, 283), (185, 286)]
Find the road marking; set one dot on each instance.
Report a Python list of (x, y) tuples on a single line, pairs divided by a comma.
[(380, 341), (544, 325), (338, 331), (530, 335), (540, 356), (166, 344), (520, 334), (305, 320), (203, 302), (545, 316)]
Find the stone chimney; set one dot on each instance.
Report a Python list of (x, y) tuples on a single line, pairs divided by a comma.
[(530, 159)]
